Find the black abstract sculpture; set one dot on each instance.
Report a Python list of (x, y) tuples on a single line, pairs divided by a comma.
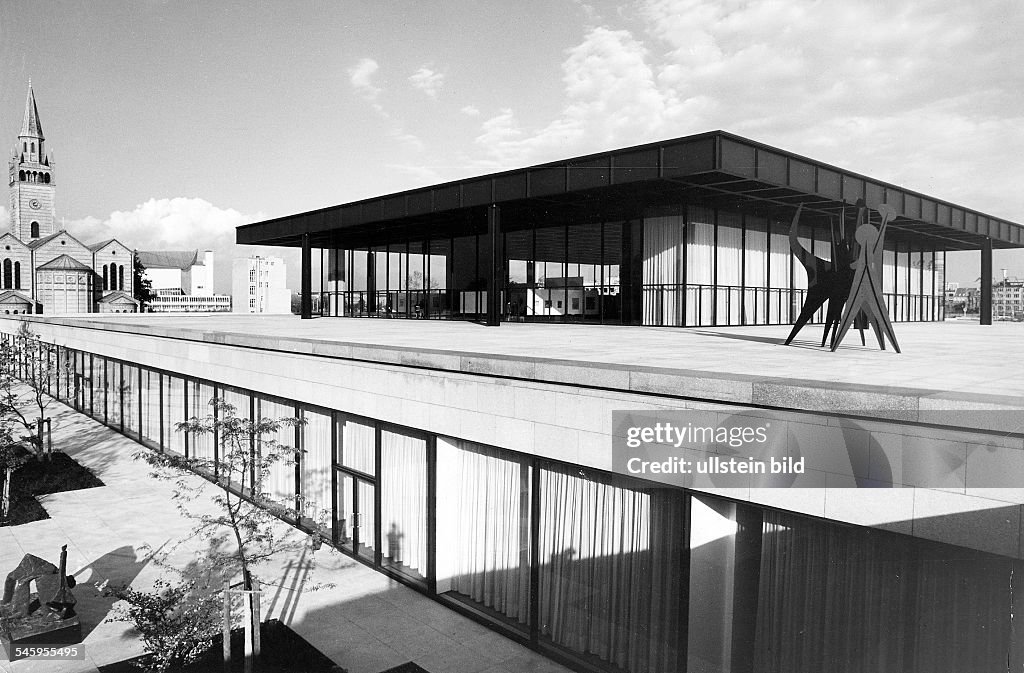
[(866, 296), (827, 280), (46, 616), (854, 271)]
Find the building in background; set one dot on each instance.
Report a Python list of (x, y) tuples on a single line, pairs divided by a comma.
[(183, 270), (182, 282), (1008, 299), (44, 268), (258, 285)]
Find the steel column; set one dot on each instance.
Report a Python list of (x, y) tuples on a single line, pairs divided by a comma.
[(493, 266), (986, 282), (307, 278)]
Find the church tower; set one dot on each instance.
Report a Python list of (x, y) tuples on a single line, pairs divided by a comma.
[(32, 185)]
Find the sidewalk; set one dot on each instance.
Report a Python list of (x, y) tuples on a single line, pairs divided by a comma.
[(366, 623)]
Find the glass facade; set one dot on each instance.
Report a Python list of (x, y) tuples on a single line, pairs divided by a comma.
[(697, 266), (605, 572)]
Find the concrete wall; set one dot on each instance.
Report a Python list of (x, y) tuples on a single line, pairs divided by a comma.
[(572, 422)]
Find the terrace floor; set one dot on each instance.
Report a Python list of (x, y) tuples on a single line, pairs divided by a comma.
[(954, 360)]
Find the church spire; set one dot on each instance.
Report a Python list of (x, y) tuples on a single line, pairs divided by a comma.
[(30, 126)]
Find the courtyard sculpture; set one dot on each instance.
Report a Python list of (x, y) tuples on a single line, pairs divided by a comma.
[(46, 616), (850, 282)]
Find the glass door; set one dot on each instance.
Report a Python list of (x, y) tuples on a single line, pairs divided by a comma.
[(354, 529)]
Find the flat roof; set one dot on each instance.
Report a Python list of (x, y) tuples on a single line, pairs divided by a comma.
[(945, 369), (718, 169)]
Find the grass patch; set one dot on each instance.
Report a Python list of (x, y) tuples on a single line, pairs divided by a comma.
[(35, 478)]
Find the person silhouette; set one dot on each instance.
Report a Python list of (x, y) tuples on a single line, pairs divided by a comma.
[(395, 544)]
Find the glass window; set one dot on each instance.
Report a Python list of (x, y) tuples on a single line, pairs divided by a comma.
[(316, 467), (889, 269), (280, 484), (99, 388), (663, 272), (174, 413), (851, 599), (755, 271), (779, 261), (358, 446), (611, 559), (404, 502), (67, 376), (238, 400), (610, 296), (114, 394), (130, 398), (700, 266), (730, 267), (483, 541), (550, 273), (150, 392), (200, 446)]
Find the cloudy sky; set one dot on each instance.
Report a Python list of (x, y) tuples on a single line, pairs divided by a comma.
[(172, 122)]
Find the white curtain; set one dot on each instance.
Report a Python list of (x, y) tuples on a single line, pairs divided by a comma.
[(611, 561), (99, 388), (174, 413), (859, 601), (150, 392), (404, 501), (358, 446), (822, 249), (888, 270), (367, 523), (239, 401), (729, 254), (200, 447), (700, 265), (755, 272), (280, 485), (483, 527), (130, 400), (316, 465), (779, 260), (664, 246)]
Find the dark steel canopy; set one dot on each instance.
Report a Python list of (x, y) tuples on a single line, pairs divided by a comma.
[(717, 169)]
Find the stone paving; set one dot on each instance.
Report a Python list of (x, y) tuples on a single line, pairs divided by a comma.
[(954, 357), (365, 622)]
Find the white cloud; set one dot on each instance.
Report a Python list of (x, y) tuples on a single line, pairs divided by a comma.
[(408, 139), (5, 220), (920, 94), (165, 224), (427, 80), (611, 94), (470, 111), (361, 77), (173, 224), (422, 175)]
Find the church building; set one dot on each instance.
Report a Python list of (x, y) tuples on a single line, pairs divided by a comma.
[(44, 268)]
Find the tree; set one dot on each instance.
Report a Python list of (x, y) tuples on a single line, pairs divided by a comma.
[(12, 456), (28, 370), (416, 281), (142, 286), (177, 621), (242, 530), (30, 374)]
